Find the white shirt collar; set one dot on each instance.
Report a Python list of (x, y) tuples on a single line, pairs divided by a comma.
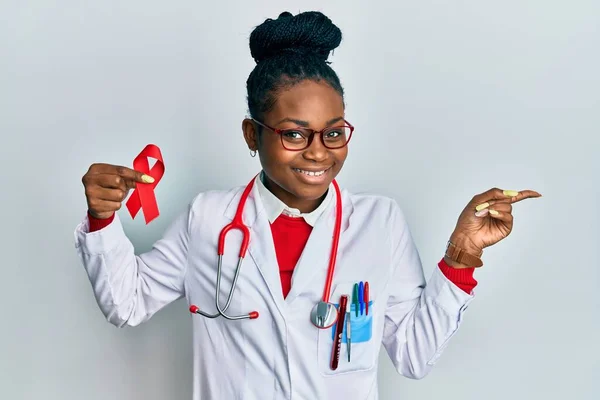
[(275, 207)]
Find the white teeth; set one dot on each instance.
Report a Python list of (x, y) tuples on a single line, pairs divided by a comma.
[(310, 173)]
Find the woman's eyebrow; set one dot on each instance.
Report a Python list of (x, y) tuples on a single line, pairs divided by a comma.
[(333, 121), (306, 123)]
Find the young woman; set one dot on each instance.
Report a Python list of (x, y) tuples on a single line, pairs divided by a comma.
[(273, 338)]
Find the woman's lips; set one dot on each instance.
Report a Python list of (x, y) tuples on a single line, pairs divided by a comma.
[(313, 176)]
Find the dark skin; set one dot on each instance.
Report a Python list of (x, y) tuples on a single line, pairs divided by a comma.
[(486, 220), (315, 105), (318, 105)]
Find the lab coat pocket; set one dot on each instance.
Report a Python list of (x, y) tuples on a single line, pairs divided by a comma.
[(363, 350)]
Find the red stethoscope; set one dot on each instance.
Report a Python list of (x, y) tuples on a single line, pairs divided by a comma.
[(323, 315)]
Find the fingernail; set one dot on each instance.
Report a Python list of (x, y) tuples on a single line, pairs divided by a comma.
[(482, 206), (147, 178), (494, 212), (482, 213), (510, 193)]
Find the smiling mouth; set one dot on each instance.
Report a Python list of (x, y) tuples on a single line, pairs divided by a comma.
[(311, 173)]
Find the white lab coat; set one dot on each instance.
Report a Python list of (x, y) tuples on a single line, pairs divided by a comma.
[(280, 355)]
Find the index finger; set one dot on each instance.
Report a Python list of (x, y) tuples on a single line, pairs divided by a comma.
[(524, 194), (124, 172), (510, 196)]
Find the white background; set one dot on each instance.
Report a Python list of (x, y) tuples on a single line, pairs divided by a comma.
[(448, 98)]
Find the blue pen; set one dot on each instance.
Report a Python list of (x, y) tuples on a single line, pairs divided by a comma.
[(361, 294)]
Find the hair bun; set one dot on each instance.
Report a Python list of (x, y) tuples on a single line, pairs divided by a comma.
[(308, 33)]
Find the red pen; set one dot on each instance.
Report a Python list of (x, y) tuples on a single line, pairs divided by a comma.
[(337, 341), (366, 296)]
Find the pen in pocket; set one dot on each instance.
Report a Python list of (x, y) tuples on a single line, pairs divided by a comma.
[(348, 334), (361, 295), (366, 296), (355, 300), (337, 341)]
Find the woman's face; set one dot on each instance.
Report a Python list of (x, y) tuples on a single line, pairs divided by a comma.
[(310, 104)]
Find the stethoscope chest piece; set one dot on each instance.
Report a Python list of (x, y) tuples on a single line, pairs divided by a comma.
[(323, 315)]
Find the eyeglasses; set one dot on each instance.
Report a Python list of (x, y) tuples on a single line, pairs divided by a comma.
[(296, 139)]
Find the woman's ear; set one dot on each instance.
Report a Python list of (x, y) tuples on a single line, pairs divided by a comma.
[(250, 134)]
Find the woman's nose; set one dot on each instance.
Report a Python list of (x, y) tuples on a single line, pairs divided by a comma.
[(316, 151)]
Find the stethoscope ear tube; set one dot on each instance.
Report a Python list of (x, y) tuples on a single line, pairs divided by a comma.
[(221, 311)]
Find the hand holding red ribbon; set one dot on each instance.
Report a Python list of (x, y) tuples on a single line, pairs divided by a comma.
[(143, 196)]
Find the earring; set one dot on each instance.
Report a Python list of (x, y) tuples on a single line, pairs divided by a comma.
[(252, 153)]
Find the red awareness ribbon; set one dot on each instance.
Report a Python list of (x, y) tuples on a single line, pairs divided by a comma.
[(143, 196)]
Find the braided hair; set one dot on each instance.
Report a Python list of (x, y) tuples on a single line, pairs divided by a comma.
[(288, 50)]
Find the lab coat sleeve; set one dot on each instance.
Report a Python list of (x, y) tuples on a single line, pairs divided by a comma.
[(130, 288), (420, 317)]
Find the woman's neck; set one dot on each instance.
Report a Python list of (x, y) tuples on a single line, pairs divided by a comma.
[(304, 205)]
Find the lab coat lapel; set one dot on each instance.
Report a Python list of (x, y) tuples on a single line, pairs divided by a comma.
[(312, 267), (262, 250), (261, 247)]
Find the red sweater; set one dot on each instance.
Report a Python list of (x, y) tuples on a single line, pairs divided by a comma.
[(290, 235)]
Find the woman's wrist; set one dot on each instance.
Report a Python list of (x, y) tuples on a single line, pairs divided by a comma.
[(464, 243)]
